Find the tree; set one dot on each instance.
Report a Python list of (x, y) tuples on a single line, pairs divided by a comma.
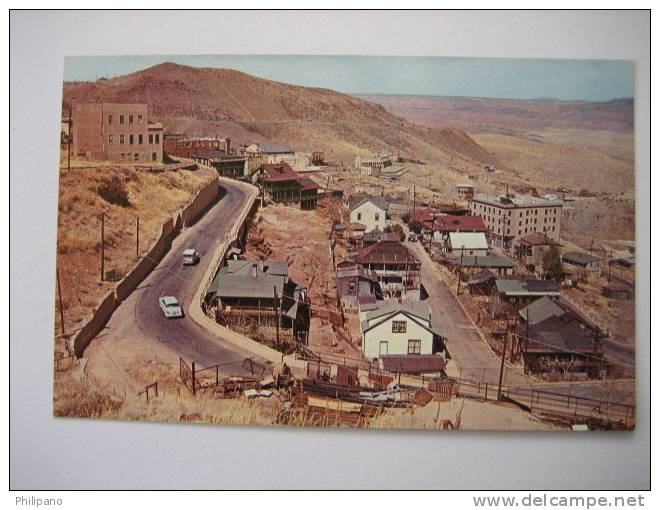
[(114, 191), (552, 265), (396, 228), (415, 226)]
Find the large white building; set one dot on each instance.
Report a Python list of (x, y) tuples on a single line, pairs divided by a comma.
[(389, 327), (510, 217), (370, 212)]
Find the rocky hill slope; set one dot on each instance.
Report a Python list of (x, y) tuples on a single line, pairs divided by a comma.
[(225, 102)]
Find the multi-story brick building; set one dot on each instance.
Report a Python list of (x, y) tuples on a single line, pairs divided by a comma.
[(510, 217), (116, 132)]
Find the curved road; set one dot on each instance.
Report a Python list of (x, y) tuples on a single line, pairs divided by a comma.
[(139, 320)]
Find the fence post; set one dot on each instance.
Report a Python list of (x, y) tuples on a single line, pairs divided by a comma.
[(193, 379)]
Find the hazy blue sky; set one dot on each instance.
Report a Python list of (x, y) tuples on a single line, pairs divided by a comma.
[(592, 80)]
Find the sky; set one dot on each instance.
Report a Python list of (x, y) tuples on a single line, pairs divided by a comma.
[(587, 80)]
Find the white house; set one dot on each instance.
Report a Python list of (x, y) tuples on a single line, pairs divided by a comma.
[(370, 212), (389, 327), (467, 243)]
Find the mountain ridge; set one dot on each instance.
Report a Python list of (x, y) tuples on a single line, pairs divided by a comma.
[(251, 109)]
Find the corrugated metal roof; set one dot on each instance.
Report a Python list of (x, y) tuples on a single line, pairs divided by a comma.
[(541, 310), (512, 287), (468, 241), (246, 286), (386, 252), (380, 202), (580, 258)]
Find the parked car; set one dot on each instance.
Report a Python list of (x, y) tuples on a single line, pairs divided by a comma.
[(190, 257), (412, 237), (170, 307)]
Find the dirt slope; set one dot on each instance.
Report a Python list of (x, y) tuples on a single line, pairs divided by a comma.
[(250, 109)]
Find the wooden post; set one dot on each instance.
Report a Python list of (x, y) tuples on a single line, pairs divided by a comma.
[(102, 246), (59, 294), (137, 238), (68, 143), (194, 389), (277, 317), (499, 384)]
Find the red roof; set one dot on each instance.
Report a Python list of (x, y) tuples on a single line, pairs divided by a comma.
[(424, 215), (386, 252), (279, 172), (451, 223)]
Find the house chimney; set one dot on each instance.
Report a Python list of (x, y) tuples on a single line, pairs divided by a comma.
[(261, 266), (228, 145)]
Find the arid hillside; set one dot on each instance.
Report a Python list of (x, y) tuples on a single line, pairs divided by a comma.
[(507, 116), (249, 109)]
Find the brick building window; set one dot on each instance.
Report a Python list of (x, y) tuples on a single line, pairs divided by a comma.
[(140, 139), (130, 139), (136, 156), (111, 139), (139, 119), (121, 138), (109, 119), (151, 138), (399, 326), (130, 119), (121, 119), (157, 138)]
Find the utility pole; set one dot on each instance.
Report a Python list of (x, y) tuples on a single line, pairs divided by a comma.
[(413, 201), (59, 295), (277, 316), (68, 144), (137, 238), (499, 384), (609, 267), (460, 273), (102, 246)]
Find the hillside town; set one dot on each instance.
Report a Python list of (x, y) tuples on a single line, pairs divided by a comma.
[(342, 291)]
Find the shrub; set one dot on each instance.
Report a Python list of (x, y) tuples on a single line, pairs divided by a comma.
[(114, 191)]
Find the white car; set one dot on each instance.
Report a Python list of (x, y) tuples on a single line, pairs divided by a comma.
[(190, 257), (170, 307)]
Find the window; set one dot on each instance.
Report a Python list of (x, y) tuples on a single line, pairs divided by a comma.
[(121, 138), (154, 156), (399, 326), (140, 139), (130, 139), (359, 216), (377, 216), (111, 139), (121, 119), (157, 138), (122, 156), (109, 119), (414, 346), (130, 119), (139, 119), (151, 138), (136, 156)]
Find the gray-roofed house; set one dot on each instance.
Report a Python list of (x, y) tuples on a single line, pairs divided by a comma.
[(249, 296), (556, 343), (356, 282), (407, 328), (583, 260), (498, 264), (525, 291)]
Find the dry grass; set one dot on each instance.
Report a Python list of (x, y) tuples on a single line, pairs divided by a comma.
[(153, 198)]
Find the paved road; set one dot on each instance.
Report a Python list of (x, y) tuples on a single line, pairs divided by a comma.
[(477, 362), (139, 319)]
